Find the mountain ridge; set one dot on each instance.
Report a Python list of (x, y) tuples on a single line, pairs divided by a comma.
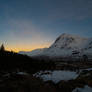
[(64, 45)]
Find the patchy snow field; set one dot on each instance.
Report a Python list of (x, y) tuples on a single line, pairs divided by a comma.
[(22, 73), (56, 76), (88, 69), (85, 89)]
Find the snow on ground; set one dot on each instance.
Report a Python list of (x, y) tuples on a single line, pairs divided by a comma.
[(56, 76), (22, 73), (89, 69), (85, 89)]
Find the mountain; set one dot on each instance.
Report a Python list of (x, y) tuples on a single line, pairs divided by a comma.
[(64, 46)]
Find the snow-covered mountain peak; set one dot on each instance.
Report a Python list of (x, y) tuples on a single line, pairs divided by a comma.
[(69, 41), (66, 37)]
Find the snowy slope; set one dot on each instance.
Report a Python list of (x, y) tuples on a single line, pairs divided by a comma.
[(35, 52), (67, 41), (64, 45)]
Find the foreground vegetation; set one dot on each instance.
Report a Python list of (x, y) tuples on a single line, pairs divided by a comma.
[(28, 83), (10, 81)]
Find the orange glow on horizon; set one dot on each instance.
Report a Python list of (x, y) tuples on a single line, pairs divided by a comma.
[(26, 47)]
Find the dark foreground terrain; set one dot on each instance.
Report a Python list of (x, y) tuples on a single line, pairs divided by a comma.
[(16, 74)]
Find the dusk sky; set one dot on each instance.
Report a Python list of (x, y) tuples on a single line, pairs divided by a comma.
[(29, 24)]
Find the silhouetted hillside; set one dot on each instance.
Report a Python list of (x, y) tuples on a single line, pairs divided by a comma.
[(10, 61)]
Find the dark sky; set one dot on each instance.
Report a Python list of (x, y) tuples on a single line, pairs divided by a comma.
[(30, 24)]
